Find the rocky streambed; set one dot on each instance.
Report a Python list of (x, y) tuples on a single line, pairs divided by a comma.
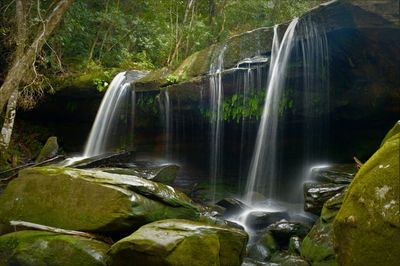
[(119, 213)]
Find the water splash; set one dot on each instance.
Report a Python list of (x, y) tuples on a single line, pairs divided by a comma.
[(216, 127), (262, 175), (113, 125)]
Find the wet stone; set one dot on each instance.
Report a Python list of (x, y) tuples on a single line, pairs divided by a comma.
[(338, 174), (105, 160), (284, 230), (262, 219), (316, 194), (232, 206)]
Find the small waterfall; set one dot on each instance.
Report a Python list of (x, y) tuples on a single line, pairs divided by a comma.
[(216, 128), (315, 56), (262, 174), (113, 126), (167, 124)]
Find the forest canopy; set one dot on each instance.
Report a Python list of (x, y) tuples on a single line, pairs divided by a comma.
[(142, 34)]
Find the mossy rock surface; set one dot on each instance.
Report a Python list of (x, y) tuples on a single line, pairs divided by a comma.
[(395, 130), (33, 248), (90, 200), (367, 227), (49, 150), (317, 247), (180, 242)]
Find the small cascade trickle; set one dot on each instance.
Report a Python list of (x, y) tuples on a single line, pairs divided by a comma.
[(166, 108), (262, 174), (216, 127), (113, 126)]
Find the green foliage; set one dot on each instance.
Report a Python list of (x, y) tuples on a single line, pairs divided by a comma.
[(239, 107), (150, 34), (173, 79), (147, 104), (286, 102)]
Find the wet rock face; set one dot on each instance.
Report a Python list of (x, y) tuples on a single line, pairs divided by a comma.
[(180, 242), (284, 230), (44, 248), (367, 227), (316, 194), (105, 160), (257, 220), (232, 206), (91, 200), (337, 174)]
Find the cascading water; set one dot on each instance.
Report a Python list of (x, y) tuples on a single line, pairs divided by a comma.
[(316, 104), (250, 75), (113, 125), (167, 124), (216, 128), (304, 42), (262, 176)]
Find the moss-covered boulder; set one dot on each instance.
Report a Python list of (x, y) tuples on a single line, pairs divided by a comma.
[(367, 227), (49, 150), (180, 242), (32, 248), (317, 246), (90, 200)]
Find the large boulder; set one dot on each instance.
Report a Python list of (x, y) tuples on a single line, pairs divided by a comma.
[(90, 200), (31, 248), (367, 227), (180, 242)]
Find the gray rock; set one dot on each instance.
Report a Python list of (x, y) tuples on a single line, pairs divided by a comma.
[(105, 160), (262, 219), (338, 174), (232, 206), (49, 150), (316, 194), (284, 230)]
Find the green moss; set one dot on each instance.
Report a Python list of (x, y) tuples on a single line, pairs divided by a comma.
[(44, 248), (367, 227), (90, 200), (181, 242), (317, 246), (394, 131)]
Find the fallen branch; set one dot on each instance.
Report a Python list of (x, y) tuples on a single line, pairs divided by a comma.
[(11, 173), (59, 230)]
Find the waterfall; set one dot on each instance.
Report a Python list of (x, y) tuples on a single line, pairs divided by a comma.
[(113, 126), (166, 108), (262, 173), (315, 56), (216, 127)]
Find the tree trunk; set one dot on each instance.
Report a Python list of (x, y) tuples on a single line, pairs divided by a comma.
[(21, 65), (179, 34), (8, 124), (9, 118)]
